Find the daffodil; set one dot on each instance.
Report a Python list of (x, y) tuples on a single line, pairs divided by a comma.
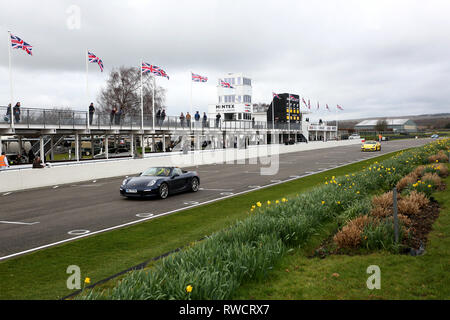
[(87, 280), (268, 202), (258, 204), (189, 289)]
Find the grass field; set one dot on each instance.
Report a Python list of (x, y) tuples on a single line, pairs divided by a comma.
[(42, 274), (344, 277)]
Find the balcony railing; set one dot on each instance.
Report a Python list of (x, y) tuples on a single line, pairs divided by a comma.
[(34, 118)]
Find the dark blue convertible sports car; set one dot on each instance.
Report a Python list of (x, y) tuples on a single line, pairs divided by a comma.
[(160, 182)]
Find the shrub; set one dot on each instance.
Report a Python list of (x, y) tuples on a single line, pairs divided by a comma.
[(407, 180), (432, 178), (350, 235), (439, 157), (407, 207)]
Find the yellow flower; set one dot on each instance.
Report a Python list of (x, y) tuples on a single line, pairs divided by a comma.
[(189, 289), (326, 182), (277, 201), (253, 206), (268, 202), (338, 202), (357, 192), (283, 200), (429, 186), (251, 210), (323, 202), (259, 204), (87, 280)]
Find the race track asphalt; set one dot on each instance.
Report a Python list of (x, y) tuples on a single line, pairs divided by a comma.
[(39, 217)]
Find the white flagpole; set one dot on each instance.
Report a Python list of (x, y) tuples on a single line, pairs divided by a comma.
[(87, 83), (190, 107), (142, 98), (10, 80), (153, 103)]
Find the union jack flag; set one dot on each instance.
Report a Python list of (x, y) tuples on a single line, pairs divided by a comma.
[(225, 84), (18, 43), (94, 59), (198, 78), (147, 67), (303, 99), (275, 95), (339, 107)]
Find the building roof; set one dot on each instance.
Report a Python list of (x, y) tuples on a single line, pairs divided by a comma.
[(391, 122)]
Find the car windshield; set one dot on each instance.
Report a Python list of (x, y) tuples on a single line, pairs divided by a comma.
[(157, 171), (370, 142)]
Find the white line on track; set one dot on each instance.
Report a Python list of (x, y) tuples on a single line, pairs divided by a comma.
[(159, 215), (17, 222), (206, 189)]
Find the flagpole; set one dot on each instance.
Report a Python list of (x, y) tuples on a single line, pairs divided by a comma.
[(273, 115), (289, 122), (87, 83), (10, 80), (190, 106), (153, 103), (142, 98)]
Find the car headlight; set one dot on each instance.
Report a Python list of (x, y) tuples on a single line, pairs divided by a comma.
[(124, 182), (151, 183)]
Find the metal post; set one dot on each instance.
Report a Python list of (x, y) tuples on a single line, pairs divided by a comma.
[(52, 154), (132, 146), (143, 146), (395, 215), (77, 147), (41, 145), (164, 142), (106, 147)]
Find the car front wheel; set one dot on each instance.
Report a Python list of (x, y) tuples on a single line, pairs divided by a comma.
[(163, 191)]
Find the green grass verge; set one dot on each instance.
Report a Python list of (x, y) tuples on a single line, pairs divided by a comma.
[(42, 274), (402, 276)]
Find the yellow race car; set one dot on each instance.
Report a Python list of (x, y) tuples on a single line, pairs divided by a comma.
[(371, 146)]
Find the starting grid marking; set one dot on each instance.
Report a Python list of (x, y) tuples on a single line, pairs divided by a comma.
[(17, 222)]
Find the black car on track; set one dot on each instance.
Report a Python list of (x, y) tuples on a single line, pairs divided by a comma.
[(160, 182)]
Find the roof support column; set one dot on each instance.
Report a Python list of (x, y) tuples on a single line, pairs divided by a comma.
[(77, 147), (132, 146), (41, 146)]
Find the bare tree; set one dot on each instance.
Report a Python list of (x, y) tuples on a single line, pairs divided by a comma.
[(381, 126), (123, 92)]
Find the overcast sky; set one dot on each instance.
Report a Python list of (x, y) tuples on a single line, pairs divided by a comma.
[(372, 57)]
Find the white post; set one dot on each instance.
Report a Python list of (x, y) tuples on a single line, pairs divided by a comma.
[(77, 147), (10, 80), (190, 105), (153, 103), (142, 99), (164, 142), (143, 146), (87, 86), (41, 147), (132, 146), (106, 147)]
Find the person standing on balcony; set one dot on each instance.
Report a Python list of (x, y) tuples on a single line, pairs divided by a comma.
[(182, 120), (113, 115), (158, 117), (16, 111), (205, 118), (188, 120), (91, 112), (197, 118), (218, 116), (163, 115)]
